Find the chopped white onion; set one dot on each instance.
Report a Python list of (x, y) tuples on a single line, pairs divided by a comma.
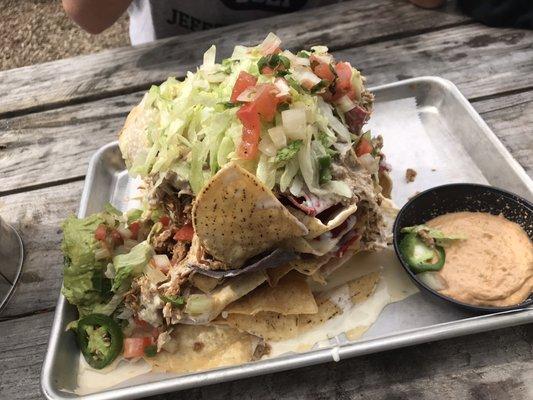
[(247, 95), (319, 49), (277, 135), (294, 123), (267, 147), (295, 60), (270, 44), (102, 253), (282, 86), (162, 262), (240, 52), (345, 104), (323, 58), (370, 163), (209, 57), (124, 232), (432, 279), (305, 77)]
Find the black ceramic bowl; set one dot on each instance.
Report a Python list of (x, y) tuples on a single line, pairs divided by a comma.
[(462, 197)]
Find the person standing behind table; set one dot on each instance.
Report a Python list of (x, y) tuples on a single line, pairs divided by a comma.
[(156, 19)]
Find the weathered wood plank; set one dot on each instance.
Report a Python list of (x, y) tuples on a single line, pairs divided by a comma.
[(481, 61), (23, 346), (133, 68), (493, 365), (511, 119), (55, 145), (37, 216)]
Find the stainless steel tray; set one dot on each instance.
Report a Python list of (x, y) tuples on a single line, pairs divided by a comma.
[(448, 120)]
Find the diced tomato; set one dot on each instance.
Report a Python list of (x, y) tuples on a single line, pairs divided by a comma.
[(117, 238), (100, 232), (251, 130), (244, 81), (323, 71), (165, 220), (134, 347), (185, 233), (266, 102), (134, 228), (344, 76), (363, 147)]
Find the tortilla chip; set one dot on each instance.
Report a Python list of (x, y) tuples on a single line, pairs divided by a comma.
[(291, 296), (305, 266), (201, 347), (236, 217), (275, 274), (274, 326), (267, 325), (133, 141), (316, 227)]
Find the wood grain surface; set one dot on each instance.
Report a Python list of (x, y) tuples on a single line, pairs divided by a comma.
[(54, 116)]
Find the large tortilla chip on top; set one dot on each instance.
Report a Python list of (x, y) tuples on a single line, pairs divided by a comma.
[(201, 347), (274, 326), (236, 217), (290, 296)]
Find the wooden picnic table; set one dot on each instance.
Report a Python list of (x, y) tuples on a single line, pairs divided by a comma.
[(54, 116)]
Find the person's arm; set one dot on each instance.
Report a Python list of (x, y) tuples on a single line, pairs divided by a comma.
[(95, 16)]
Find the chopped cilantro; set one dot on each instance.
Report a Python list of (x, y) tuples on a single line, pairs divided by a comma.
[(288, 152)]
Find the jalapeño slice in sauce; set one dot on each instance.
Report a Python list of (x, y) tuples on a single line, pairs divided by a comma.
[(420, 256), (100, 339)]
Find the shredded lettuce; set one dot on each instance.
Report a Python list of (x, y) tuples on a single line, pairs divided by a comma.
[(194, 128)]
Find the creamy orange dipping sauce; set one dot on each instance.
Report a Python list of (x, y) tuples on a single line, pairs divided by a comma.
[(493, 266)]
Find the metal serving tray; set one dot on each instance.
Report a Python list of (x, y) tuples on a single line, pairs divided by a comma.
[(450, 123)]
